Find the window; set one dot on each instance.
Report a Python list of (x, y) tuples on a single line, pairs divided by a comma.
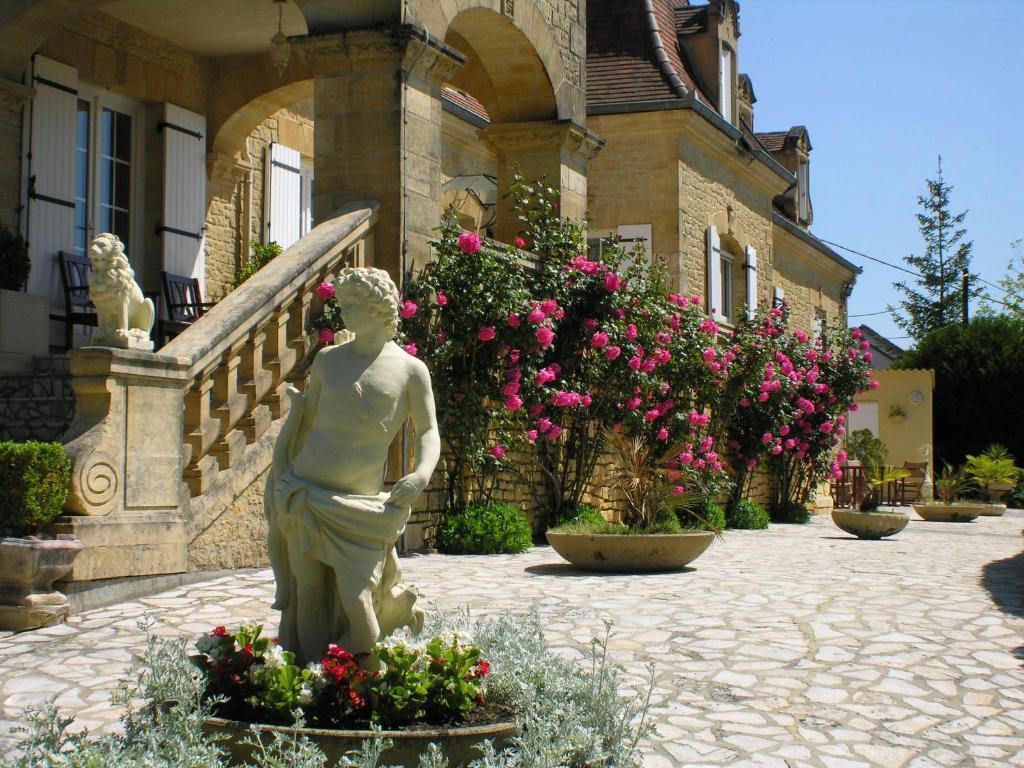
[(725, 300), (725, 84), (820, 320), (630, 237), (778, 296), (107, 170)]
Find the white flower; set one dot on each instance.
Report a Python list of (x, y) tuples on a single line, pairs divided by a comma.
[(274, 657), (305, 695)]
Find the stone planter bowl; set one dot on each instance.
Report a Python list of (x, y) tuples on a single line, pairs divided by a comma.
[(461, 744), (949, 513), (28, 568), (631, 554), (992, 510), (870, 525)]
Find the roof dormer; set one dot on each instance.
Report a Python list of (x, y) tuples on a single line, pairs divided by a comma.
[(709, 38), (792, 150), (746, 98)]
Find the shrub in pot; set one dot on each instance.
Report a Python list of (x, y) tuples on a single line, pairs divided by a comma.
[(870, 521), (994, 473), (34, 479), (951, 487)]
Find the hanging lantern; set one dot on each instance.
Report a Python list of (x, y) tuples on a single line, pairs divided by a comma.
[(280, 48)]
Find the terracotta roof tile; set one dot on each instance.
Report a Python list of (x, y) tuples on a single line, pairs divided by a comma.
[(773, 141), (464, 100)]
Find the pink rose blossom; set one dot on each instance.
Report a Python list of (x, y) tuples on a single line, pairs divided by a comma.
[(469, 242), (513, 356), (612, 352), (520, 241), (544, 375), (498, 451), (486, 333), (652, 415), (635, 363), (545, 336), (599, 339), (874, 384), (662, 434), (543, 425), (548, 306), (532, 435), (513, 320), (442, 300), (631, 332), (565, 399), (514, 402), (586, 400), (512, 388), (800, 336), (536, 316), (326, 335), (708, 355), (633, 403), (409, 308), (411, 348), (325, 291), (856, 333), (554, 432), (612, 282)]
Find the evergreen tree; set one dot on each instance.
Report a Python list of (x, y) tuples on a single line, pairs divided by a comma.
[(1010, 299), (935, 299)]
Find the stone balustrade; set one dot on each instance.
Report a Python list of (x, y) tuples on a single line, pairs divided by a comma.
[(155, 431)]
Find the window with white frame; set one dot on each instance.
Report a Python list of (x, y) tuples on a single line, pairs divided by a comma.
[(725, 300), (108, 170), (634, 239), (725, 89), (288, 203)]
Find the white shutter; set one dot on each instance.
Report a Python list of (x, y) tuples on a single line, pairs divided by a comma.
[(282, 208), (50, 223), (779, 295), (751, 282), (714, 267), (182, 227), (306, 199)]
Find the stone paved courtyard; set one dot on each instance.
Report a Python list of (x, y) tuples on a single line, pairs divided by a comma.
[(795, 646)]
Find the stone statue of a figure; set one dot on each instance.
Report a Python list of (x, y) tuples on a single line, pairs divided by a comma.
[(332, 529)]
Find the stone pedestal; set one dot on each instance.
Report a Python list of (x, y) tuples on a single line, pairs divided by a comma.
[(557, 151), (377, 105), (127, 498), (28, 568)]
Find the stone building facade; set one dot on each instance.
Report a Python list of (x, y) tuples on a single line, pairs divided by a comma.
[(193, 138)]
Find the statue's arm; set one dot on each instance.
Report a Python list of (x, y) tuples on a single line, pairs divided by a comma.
[(420, 399), (301, 416)]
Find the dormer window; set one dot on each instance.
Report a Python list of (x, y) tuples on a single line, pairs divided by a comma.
[(725, 89)]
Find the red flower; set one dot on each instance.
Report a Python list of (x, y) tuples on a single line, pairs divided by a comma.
[(219, 632)]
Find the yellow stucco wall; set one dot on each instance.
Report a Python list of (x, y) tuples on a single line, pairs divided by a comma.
[(903, 438)]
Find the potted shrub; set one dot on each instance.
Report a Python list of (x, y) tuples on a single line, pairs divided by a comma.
[(869, 521), (19, 310), (897, 415), (950, 486), (995, 474), (34, 479), (661, 529), (411, 694)]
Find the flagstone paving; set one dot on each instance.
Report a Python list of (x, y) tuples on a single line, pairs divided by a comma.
[(795, 646)]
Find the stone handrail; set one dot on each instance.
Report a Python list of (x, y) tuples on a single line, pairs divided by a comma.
[(240, 353)]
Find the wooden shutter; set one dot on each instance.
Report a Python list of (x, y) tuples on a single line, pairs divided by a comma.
[(50, 217), (751, 270), (306, 199), (714, 268), (282, 208), (183, 225)]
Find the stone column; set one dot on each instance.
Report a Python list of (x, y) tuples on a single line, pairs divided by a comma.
[(377, 107), (557, 151), (127, 500)]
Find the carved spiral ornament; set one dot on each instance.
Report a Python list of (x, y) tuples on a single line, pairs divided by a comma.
[(98, 482)]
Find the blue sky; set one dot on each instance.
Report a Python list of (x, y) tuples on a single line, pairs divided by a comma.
[(884, 88)]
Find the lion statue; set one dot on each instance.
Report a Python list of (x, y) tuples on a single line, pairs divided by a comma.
[(124, 315)]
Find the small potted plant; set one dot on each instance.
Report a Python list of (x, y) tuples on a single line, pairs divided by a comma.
[(413, 693), (19, 310), (897, 414), (870, 521), (951, 487), (34, 480), (661, 528), (995, 474)]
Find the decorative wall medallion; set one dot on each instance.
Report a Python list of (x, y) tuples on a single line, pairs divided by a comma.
[(917, 397)]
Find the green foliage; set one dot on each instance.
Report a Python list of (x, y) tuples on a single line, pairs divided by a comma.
[(746, 515), (1014, 497), (488, 529), (791, 513), (34, 481), (992, 467), (978, 370), (15, 263), (867, 449), (951, 483), (705, 515), (261, 255), (1011, 298), (935, 300), (878, 476)]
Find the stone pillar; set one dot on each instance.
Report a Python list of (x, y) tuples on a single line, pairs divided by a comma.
[(377, 106), (127, 500), (557, 151)]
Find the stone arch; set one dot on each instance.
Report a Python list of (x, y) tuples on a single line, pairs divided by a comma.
[(514, 65), (245, 96)]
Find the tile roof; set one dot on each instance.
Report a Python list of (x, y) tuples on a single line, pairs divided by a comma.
[(690, 19), (772, 141)]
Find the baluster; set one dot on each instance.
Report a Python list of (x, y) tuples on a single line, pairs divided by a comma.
[(256, 380), (201, 431), (230, 405)]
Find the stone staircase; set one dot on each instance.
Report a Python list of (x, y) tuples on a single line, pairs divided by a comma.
[(37, 404)]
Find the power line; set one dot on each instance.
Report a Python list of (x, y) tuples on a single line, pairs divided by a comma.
[(919, 275), (872, 314)]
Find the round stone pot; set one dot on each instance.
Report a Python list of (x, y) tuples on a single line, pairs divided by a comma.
[(992, 510), (631, 554), (870, 525), (461, 745), (949, 513), (28, 568)]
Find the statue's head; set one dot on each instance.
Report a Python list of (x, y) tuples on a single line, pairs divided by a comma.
[(368, 299), (105, 251)]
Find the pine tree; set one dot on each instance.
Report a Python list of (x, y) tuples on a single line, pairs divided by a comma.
[(935, 299), (1009, 299)]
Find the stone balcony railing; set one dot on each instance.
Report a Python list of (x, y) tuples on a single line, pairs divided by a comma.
[(155, 433)]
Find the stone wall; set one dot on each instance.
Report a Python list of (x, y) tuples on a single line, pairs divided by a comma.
[(237, 538), (811, 281)]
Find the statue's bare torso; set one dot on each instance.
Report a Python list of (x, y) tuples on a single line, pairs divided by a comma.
[(355, 406)]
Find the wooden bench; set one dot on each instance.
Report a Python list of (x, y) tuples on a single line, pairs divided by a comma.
[(75, 272), (184, 302)]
